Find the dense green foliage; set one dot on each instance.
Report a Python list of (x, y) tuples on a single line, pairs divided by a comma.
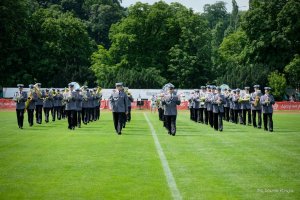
[(99, 41), (48, 161)]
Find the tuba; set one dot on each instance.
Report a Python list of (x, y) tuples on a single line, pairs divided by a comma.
[(37, 90), (29, 99)]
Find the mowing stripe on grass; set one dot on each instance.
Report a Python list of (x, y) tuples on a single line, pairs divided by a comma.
[(170, 179)]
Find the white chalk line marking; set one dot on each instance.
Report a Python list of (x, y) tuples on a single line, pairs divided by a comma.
[(169, 176)]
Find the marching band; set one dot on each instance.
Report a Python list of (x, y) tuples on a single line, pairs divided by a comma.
[(232, 106), (209, 105), (75, 104)]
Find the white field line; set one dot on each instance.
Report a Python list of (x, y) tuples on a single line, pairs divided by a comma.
[(169, 176)]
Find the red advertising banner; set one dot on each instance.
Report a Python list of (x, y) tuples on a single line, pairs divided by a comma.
[(7, 104), (284, 105)]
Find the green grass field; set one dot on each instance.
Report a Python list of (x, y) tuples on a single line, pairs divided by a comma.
[(49, 161)]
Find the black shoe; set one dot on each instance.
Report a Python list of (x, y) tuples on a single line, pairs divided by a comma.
[(259, 127), (173, 134), (271, 130), (120, 133), (220, 130)]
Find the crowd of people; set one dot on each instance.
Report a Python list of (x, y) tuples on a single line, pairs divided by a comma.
[(77, 105), (208, 105), (211, 105)]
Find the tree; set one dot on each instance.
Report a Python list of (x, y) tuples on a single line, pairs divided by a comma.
[(277, 82), (271, 27), (14, 41), (60, 48), (149, 43), (293, 71)]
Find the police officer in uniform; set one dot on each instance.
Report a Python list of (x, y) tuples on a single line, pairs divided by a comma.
[(160, 107), (196, 104), (32, 97), (97, 103), (191, 106), (202, 104), (90, 106), (227, 104), (170, 102), (231, 105), (78, 110), (245, 106), (85, 106), (48, 104), (20, 98), (39, 104), (218, 109), (119, 105), (64, 112), (208, 101), (267, 101), (130, 100), (57, 105), (255, 106), (70, 98), (235, 106)]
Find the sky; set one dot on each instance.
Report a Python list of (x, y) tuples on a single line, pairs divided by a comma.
[(196, 5)]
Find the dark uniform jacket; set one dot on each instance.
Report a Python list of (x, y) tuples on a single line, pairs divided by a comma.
[(170, 102)]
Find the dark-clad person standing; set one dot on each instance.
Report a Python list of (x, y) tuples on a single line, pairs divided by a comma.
[(196, 105), (39, 103), (57, 105), (48, 104), (85, 104), (20, 98), (246, 106), (267, 101), (97, 102), (70, 98), (30, 104), (191, 105), (255, 106), (202, 104), (119, 106), (78, 107), (218, 109), (235, 106), (170, 102), (160, 107), (227, 104), (90, 103), (208, 102), (130, 100)]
